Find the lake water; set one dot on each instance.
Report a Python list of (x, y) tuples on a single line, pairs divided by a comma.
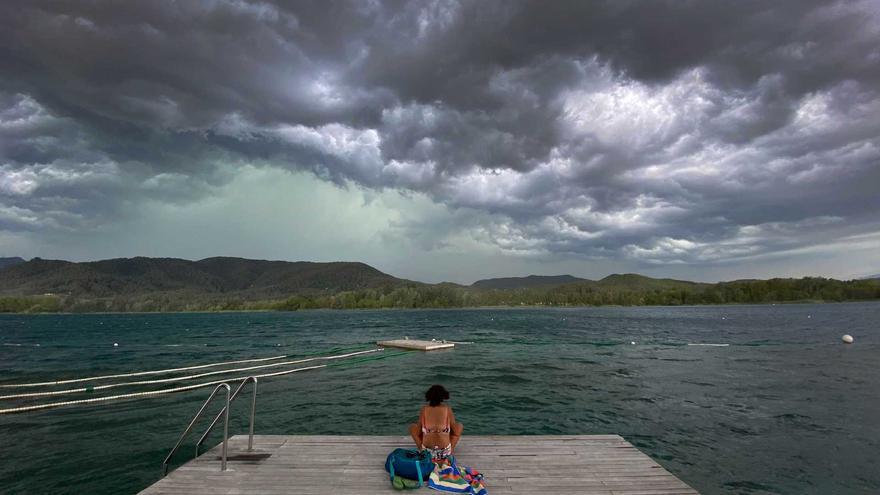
[(784, 409)]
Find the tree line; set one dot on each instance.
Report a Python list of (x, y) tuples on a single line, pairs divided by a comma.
[(453, 296)]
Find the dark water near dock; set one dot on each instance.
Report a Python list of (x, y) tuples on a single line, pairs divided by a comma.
[(784, 409)]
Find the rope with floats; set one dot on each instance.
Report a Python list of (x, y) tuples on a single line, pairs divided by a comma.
[(153, 393), (176, 378), (142, 394), (139, 373), (154, 372)]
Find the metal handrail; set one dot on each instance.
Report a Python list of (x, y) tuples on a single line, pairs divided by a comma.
[(193, 422), (225, 409)]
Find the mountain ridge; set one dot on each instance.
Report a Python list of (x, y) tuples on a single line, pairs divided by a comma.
[(11, 261), (617, 280), (250, 279), (526, 282), (229, 283)]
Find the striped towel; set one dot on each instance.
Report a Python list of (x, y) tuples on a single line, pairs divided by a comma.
[(451, 478)]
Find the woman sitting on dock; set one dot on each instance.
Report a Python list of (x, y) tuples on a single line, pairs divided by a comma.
[(436, 430)]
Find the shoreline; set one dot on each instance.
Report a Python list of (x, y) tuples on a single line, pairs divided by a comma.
[(450, 308)]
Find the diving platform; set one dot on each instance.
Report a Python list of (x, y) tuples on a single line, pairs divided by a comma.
[(354, 465)]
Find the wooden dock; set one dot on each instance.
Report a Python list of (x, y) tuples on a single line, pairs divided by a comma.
[(354, 465), (416, 345)]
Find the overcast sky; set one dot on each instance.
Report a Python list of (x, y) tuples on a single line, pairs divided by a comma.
[(447, 140)]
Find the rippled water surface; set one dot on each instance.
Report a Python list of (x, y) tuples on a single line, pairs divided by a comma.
[(785, 408)]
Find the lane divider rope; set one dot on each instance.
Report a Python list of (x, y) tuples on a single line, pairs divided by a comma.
[(145, 394), (160, 372), (153, 393), (176, 378), (138, 373)]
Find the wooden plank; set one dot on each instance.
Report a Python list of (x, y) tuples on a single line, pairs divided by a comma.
[(321, 464), (418, 345)]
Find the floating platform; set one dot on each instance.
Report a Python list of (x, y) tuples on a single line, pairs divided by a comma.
[(418, 345), (354, 465)]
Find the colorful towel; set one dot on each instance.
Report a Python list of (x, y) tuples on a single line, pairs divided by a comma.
[(451, 478)]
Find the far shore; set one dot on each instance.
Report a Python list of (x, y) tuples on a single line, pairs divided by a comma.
[(451, 308)]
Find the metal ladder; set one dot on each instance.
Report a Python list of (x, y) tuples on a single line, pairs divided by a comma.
[(224, 413)]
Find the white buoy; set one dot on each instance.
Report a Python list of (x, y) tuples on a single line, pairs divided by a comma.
[(847, 339), (115, 344), (632, 343)]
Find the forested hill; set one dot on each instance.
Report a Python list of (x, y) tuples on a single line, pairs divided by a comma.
[(526, 282), (168, 284), (242, 278), (7, 262), (616, 281)]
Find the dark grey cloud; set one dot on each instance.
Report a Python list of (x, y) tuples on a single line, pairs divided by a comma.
[(683, 132)]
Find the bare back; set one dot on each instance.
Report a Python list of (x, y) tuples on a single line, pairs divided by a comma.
[(436, 422)]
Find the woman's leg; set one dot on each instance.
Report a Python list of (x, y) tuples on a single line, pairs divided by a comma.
[(416, 433), (455, 434)]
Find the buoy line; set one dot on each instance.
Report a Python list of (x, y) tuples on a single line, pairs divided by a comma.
[(153, 393), (146, 394), (152, 372), (178, 378), (137, 373)]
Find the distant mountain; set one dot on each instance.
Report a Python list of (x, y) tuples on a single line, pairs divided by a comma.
[(228, 284), (249, 279), (529, 282), (630, 281), (7, 262), (871, 277), (641, 282)]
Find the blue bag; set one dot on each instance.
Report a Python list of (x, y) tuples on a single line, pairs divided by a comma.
[(410, 463)]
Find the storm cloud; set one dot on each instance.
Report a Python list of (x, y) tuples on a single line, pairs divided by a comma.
[(690, 133)]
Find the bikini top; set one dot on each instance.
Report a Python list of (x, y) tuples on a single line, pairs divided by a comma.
[(425, 429)]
